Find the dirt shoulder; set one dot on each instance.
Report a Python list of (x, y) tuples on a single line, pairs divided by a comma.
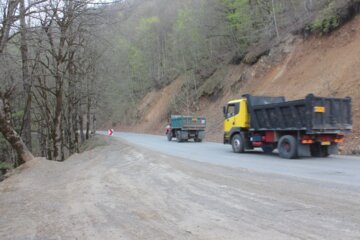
[(122, 192)]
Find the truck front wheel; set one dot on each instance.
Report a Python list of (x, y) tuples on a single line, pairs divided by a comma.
[(238, 143), (287, 147)]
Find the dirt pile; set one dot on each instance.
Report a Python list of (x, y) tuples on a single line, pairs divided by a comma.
[(323, 65)]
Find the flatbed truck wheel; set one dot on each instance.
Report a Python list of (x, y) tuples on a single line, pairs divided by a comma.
[(178, 136), (238, 143), (169, 136), (287, 147), (197, 138)]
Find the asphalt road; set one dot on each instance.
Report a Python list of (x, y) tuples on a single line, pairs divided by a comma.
[(334, 169)]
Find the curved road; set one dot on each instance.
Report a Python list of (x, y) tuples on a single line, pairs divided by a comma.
[(334, 169)]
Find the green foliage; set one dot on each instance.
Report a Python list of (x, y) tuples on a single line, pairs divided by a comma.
[(136, 61), (238, 14), (5, 165), (189, 43), (327, 20), (18, 114), (146, 24), (2, 140), (193, 46)]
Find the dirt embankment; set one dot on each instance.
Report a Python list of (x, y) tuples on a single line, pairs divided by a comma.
[(323, 65), (121, 192)]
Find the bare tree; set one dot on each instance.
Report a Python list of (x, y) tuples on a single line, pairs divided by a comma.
[(9, 17), (26, 125), (7, 129)]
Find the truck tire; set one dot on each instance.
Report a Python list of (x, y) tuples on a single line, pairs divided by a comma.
[(287, 147), (238, 143), (178, 136), (169, 136)]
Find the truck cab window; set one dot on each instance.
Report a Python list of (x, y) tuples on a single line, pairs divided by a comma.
[(232, 110)]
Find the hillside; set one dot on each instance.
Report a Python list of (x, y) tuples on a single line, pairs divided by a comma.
[(323, 65)]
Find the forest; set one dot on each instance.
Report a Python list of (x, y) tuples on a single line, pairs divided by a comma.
[(68, 65)]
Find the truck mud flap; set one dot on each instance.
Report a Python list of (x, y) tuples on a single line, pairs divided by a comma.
[(333, 149), (303, 150)]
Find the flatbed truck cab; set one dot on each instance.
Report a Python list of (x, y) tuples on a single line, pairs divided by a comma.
[(313, 126)]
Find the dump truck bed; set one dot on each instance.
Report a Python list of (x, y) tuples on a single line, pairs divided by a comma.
[(312, 114)]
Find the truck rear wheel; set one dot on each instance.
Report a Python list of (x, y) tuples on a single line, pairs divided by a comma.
[(178, 136), (287, 147), (238, 143)]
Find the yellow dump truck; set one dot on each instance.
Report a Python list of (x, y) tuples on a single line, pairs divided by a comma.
[(307, 127)]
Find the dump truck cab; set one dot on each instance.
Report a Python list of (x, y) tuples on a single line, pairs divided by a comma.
[(237, 118)]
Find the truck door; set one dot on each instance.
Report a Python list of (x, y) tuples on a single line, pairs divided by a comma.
[(231, 113)]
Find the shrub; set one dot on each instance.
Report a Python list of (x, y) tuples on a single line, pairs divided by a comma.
[(327, 20)]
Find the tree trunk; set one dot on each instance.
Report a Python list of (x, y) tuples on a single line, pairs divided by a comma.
[(71, 115), (75, 126), (81, 123), (57, 130), (275, 21), (88, 106), (9, 132), (26, 125), (88, 121)]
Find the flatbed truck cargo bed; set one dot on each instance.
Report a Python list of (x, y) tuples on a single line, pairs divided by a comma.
[(184, 128)]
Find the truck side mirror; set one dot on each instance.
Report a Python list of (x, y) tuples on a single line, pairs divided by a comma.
[(224, 111)]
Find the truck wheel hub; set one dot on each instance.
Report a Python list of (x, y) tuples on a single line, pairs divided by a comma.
[(286, 146)]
